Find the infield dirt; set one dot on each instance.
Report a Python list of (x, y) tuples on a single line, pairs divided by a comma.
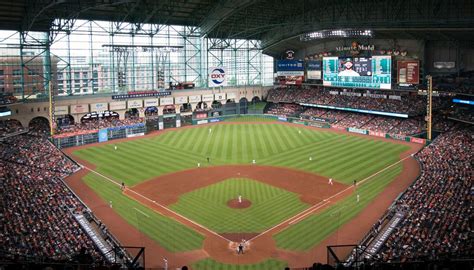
[(263, 246)]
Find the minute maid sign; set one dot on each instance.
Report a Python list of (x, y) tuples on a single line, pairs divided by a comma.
[(217, 77)]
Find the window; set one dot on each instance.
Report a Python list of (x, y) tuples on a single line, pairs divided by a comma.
[(16, 72), (1, 72), (77, 75)]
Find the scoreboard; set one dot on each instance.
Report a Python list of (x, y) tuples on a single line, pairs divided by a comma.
[(358, 72)]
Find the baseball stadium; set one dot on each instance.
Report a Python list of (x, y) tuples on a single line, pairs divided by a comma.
[(236, 135)]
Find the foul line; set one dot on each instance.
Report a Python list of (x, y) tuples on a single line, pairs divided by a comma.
[(158, 204), (296, 218), (141, 212)]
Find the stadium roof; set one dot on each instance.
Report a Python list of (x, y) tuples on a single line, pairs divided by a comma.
[(276, 22)]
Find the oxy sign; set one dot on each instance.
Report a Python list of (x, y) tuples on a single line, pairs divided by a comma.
[(217, 77)]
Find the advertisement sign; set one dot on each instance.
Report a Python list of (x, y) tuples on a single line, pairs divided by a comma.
[(319, 125), (377, 133), (99, 107), (357, 130), (181, 100), (142, 94), (284, 119), (166, 101), (135, 135), (214, 120), (208, 98), (290, 68), (313, 70), (299, 122), (408, 72), (79, 108), (397, 137), (178, 123), (230, 95), (135, 104), (200, 122), (103, 135), (220, 96), (417, 140), (118, 105), (195, 99), (151, 102), (217, 77), (61, 110)]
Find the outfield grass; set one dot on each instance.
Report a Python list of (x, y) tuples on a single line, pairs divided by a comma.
[(270, 264), (340, 156), (270, 205)]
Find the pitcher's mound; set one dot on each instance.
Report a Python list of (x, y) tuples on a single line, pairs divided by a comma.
[(234, 203)]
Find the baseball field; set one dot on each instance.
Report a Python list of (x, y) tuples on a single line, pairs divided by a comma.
[(182, 189)]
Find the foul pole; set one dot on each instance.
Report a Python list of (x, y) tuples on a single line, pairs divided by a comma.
[(429, 101)]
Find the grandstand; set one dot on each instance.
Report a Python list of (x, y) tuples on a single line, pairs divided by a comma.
[(252, 134)]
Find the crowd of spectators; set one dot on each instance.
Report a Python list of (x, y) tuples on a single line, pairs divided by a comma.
[(458, 83), (10, 126), (438, 206), (344, 119), (99, 123), (284, 109), (356, 99), (37, 207)]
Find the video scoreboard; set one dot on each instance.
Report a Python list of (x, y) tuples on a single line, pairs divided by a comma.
[(358, 72)]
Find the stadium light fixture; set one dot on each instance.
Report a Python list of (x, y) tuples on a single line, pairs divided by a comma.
[(336, 33)]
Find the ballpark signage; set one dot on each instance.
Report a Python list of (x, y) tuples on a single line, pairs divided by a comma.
[(208, 98), (217, 77), (357, 130), (118, 105), (290, 68), (194, 99), (80, 108), (220, 96), (134, 104), (408, 72), (151, 102), (142, 95), (99, 107), (166, 101), (181, 100), (61, 110), (313, 70)]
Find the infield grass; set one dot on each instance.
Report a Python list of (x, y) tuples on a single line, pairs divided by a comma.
[(342, 157), (270, 205)]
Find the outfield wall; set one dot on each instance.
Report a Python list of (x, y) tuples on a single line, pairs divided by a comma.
[(102, 135)]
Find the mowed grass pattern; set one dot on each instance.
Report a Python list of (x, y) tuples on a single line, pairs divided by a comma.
[(270, 205), (170, 234), (341, 156), (313, 229)]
